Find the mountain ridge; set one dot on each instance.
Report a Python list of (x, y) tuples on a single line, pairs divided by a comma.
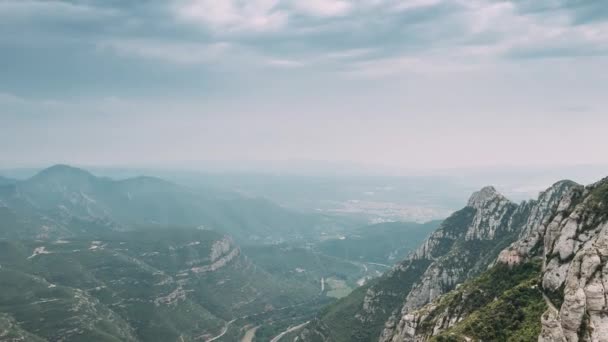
[(59, 194), (464, 246)]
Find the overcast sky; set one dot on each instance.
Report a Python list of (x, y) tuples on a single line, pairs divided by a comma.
[(410, 83)]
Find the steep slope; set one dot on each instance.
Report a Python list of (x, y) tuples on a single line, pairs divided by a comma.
[(576, 267), (157, 285), (503, 303), (464, 246), (57, 195)]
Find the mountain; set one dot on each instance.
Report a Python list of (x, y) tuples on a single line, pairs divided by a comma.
[(6, 181), (463, 247), (157, 285), (90, 258), (56, 196)]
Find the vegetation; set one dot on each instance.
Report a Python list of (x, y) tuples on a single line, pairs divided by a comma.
[(502, 304), (303, 265), (93, 258), (136, 286), (343, 320), (346, 320), (340, 317), (598, 202), (381, 243)]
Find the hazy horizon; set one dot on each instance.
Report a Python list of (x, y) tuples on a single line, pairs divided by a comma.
[(282, 182)]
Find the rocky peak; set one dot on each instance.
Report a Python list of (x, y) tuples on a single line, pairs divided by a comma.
[(554, 200), (576, 267), (492, 213), (481, 198)]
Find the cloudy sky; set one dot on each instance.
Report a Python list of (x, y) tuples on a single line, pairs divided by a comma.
[(410, 83)]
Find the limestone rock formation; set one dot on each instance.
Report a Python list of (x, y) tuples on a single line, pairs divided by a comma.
[(567, 228)]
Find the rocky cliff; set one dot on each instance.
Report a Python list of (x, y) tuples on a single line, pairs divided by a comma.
[(562, 245), (575, 272), (500, 258)]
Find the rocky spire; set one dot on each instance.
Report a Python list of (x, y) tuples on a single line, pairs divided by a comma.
[(480, 198)]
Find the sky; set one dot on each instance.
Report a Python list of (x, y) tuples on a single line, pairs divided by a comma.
[(408, 84)]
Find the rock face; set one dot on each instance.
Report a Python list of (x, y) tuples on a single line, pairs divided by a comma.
[(491, 212), (222, 253), (554, 200), (455, 255), (576, 270), (491, 209)]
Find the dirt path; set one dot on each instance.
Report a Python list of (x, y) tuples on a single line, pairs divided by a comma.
[(549, 303)]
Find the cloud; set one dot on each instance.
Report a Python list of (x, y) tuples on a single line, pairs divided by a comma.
[(371, 38), (323, 8), (285, 63), (350, 53), (233, 15), (168, 51), (407, 5), (8, 98), (52, 8), (396, 66), (32, 108), (367, 67), (581, 12), (53, 13)]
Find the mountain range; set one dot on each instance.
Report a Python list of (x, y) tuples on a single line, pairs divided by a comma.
[(142, 259), (91, 258), (56, 199)]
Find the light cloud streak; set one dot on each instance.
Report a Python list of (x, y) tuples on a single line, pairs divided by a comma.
[(233, 15), (178, 53)]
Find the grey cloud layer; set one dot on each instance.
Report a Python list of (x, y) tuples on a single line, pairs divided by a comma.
[(296, 33)]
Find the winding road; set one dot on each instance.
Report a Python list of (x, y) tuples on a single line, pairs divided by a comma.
[(224, 331), (378, 264), (250, 334), (290, 329)]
